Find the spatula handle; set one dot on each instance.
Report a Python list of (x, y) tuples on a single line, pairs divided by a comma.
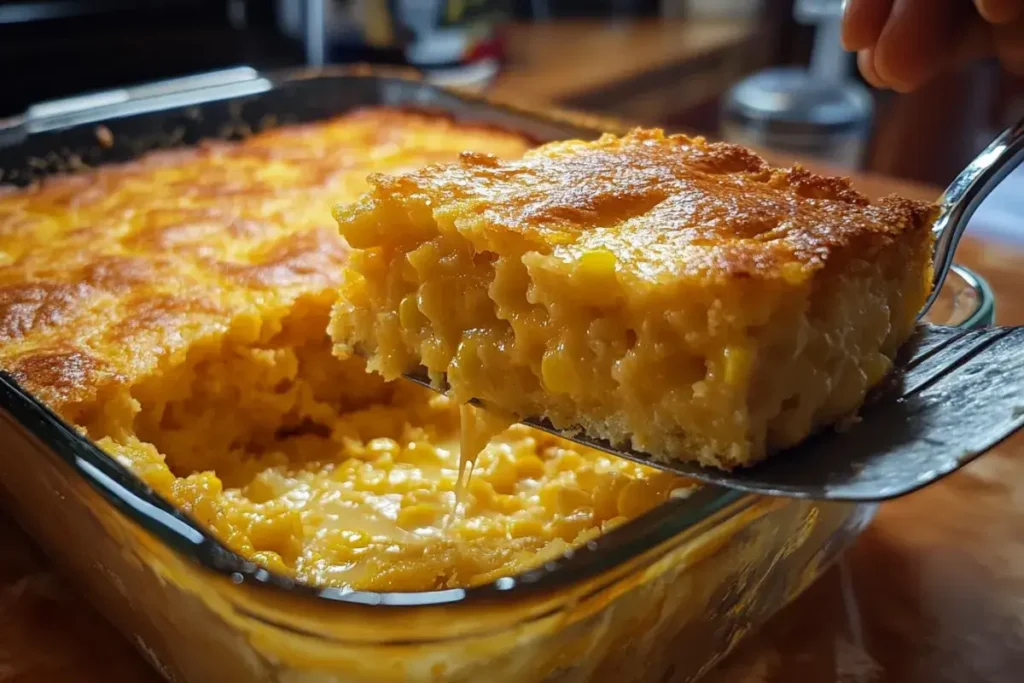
[(966, 193)]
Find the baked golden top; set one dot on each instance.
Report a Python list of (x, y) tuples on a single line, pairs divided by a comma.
[(106, 274), (666, 207)]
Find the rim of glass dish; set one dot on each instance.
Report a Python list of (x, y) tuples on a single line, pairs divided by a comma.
[(643, 534), (143, 506), (984, 312)]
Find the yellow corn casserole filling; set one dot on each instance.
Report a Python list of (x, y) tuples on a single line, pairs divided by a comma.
[(660, 292), (175, 310)]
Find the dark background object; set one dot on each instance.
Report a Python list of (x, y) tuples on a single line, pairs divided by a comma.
[(51, 49), (931, 134), (576, 9)]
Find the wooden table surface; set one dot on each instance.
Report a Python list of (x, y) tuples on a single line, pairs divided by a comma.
[(932, 592), (646, 71), (606, 54)]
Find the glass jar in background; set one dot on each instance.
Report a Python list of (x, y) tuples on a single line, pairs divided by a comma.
[(788, 110), (817, 112)]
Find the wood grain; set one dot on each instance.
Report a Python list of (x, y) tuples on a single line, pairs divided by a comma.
[(601, 54)]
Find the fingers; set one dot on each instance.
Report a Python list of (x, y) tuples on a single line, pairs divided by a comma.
[(975, 43), (920, 38), (1000, 11), (901, 44), (863, 21), (917, 39), (866, 64)]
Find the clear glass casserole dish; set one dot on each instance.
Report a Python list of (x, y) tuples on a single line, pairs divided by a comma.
[(659, 598)]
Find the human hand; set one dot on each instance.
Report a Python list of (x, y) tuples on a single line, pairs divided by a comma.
[(901, 44)]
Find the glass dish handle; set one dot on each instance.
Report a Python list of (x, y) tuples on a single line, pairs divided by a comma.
[(140, 99)]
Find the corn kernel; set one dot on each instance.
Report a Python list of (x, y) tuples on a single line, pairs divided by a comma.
[(503, 475), (597, 263), (480, 528), (422, 454), (278, 532), (568, 528), (199, 494), (529, 467), (409, 315), (355, 289), (612, 523), (354, 451), (636, 498), (570, 499), (508, 504), (270, 561), (374, 481), (738, 362), (419, 516), (557, 373), (606, 495), (259, 490), (548, 498), (587, 479), (568, 461), (423, 257), (875, 367), (482, 492)]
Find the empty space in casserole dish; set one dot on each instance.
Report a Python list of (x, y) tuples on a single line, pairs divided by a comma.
[(315, 469)]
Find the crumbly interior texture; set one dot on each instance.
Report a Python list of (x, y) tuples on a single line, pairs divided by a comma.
[(661, 292), (175, 310)]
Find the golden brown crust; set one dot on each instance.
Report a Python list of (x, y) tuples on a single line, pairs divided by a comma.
[(105, 273), (667, 207), (29, 306), (62, 378)]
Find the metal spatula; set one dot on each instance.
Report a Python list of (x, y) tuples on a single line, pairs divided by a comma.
[(954, 395)]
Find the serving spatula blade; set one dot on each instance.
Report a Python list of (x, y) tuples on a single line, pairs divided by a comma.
[(954, 395)]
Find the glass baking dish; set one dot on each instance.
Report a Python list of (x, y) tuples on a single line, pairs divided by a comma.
[(659, 598)]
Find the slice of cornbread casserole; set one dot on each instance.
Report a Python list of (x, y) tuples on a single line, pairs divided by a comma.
[(663, 292)]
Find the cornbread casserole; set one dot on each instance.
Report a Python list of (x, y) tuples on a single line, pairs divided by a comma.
[(175, 310), (662, 292)]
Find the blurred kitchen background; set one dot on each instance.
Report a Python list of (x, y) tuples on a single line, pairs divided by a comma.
[(764, 72)]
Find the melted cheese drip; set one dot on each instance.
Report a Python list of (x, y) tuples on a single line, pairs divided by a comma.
[(477, 428)]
